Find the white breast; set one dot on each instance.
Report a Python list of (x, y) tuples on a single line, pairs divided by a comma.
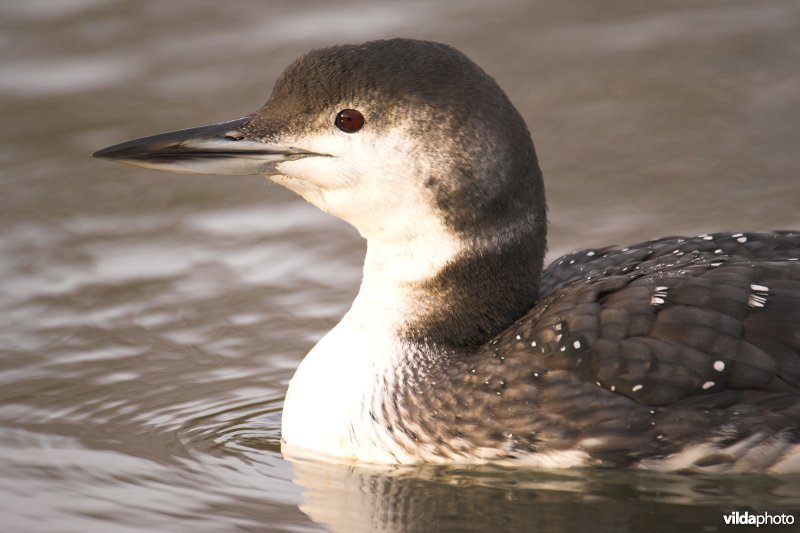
[(328, 404)]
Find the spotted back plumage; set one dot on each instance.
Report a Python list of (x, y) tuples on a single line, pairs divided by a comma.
[(681, 349)]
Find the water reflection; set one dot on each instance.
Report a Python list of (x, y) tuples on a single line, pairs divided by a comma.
[(360, 498)]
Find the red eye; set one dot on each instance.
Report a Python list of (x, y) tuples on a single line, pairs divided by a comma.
[(349, 120)]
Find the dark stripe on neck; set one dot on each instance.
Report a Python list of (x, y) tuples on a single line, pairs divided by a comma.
[(480, 293)]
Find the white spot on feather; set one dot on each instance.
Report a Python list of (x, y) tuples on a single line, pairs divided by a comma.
[(759, 296), (659, 295)]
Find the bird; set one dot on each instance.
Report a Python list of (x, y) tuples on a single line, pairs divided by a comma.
[(679, 354)]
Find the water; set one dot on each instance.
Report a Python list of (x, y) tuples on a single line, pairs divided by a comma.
[(151, 322)]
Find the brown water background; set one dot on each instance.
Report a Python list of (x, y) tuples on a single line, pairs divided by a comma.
[(149, 323)]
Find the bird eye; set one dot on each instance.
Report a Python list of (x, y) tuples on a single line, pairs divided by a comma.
[(349, 120)]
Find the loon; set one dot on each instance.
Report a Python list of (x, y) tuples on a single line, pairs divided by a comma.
[(677, 354)]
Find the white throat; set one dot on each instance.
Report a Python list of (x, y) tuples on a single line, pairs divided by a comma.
[(345, 376)]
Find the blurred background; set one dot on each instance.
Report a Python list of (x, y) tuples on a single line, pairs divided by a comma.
[(150, 322)]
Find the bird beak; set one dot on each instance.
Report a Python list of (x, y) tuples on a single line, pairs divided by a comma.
[(222, 149)]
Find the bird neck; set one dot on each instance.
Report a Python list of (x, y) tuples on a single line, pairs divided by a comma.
[(438, 287)]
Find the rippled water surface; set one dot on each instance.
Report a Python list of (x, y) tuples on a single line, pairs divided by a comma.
[(151, 322)]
